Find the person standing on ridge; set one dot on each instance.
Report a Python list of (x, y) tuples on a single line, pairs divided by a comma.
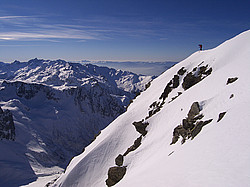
[(200, 47)]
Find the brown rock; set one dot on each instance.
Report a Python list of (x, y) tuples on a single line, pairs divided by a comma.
[(119, 160), (115, 174), (141, 127), (194, 110)]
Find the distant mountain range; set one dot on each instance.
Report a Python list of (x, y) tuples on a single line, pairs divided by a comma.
[(51, 110)]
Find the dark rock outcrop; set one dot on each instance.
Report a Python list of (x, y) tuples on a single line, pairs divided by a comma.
[(119, 160), (197, 129), (231, 80), (7, 127), (30, 90), (176, 82), (186, 124), (191, 126), (181, 71), (231, 96), (180, 131), (196, 76), (194, 110), (141, 127), (173, 83), (155, 107), (166, 91), (115, 174), (190, 80), (136, 144), (221, 115)]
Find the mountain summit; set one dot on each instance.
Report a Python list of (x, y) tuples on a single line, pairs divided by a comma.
[(189, 128)]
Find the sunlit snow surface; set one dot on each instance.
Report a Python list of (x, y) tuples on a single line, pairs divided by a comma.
[(218, 156)]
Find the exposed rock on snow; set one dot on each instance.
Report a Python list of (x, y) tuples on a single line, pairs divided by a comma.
[(115, 174), (155, 107), (196, 76), (119, 160), (194, 110), (221, 115), (231, 80), (133, 147), (191, 126), (181, 71), (140, 127)]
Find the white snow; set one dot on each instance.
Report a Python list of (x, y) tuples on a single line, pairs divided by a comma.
[(69, 104), (218, 156)]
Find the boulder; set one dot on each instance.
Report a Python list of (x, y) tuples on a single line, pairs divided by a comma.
[(119, 160), (221, 115), (115, 174), (190, 80), (231, 80), (194, 110), (141, 127)]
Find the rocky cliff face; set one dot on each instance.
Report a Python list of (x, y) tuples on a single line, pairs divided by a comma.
[(7, 127)]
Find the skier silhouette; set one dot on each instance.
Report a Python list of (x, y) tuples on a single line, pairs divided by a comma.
[(200, 47)]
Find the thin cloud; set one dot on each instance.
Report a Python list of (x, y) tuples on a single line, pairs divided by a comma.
[(12, 17), (68, 34), (33, 28), (21, 45)]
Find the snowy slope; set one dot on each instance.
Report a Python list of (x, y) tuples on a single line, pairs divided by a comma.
[(58, 108), (215, 148)]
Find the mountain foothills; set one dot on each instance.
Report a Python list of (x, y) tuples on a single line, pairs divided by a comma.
[(51, 110), (189, 128)]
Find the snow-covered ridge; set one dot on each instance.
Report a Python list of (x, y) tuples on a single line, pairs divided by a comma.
[(62, 75), (189, 128), (58, 108)]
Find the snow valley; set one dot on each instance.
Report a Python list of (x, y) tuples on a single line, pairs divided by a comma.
[(189, 128), (51, 110)]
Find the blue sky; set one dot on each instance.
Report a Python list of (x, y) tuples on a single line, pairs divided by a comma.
[(155, 30)]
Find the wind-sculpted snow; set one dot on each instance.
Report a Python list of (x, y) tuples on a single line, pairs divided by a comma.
[(203, 99), (58, 108)]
